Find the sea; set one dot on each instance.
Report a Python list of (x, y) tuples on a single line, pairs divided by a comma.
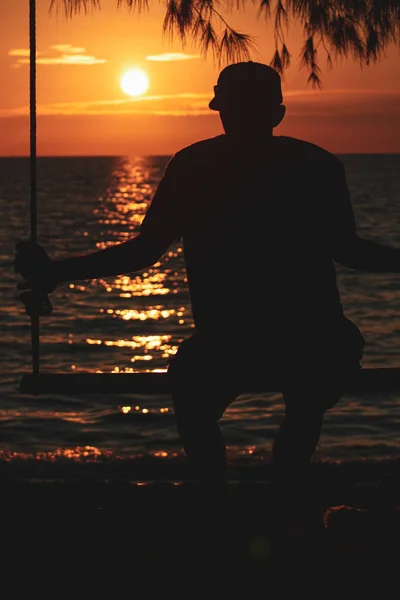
[(129, 323)]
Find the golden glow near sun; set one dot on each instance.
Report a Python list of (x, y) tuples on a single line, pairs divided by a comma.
[(134, 82)]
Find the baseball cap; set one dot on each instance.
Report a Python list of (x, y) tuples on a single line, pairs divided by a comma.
[(248, 83)]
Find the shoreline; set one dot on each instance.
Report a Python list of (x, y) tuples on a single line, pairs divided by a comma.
[(152, 468)]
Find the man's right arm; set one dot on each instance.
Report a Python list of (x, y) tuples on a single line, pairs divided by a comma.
[(160, 227), (129, 257)]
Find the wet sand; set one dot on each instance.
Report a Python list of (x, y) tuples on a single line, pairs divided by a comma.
[(84, 538)]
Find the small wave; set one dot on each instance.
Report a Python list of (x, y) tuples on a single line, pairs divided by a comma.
[(89, 463)]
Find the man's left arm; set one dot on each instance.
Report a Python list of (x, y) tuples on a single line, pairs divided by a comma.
[(347, 247)]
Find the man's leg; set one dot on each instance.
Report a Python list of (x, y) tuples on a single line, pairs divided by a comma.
[(200, 398), (296, 441), (300, 431)]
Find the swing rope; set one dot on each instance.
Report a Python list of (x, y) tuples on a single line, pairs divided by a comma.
[(35, 330)]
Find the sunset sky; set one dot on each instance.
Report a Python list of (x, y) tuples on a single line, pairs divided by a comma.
[(82, 109)]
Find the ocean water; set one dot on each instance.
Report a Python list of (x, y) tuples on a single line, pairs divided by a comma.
[(125, 323)]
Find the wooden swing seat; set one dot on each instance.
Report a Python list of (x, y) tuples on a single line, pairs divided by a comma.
[(368, 380)]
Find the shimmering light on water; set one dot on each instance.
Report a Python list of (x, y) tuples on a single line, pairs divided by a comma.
[(153, 312), (86, 453)]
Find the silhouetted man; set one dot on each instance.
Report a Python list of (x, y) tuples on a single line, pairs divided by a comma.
[(262, 219)]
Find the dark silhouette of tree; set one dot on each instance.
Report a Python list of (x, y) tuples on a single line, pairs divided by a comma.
[(361, 29)]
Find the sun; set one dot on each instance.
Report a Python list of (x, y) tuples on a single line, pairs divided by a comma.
[(134, 82)]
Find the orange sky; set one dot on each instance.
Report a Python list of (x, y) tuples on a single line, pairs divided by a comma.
[(82, 109)]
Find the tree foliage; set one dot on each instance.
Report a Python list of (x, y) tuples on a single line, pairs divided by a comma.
[(361, 29)]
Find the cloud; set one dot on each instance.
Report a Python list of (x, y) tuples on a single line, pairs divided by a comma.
[(344, 103), (172, 56), (185, 104), (66, 59), (67, 55), (20, 52), (67, 48)]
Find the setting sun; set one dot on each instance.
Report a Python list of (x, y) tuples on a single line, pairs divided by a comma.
[(134, 82)]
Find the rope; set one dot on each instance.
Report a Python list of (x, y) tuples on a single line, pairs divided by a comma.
[(33, 169)]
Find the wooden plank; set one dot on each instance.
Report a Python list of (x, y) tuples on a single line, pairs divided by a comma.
[(141, 382), (94, 383)]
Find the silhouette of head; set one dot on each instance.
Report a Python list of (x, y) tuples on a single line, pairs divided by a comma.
[(248, 96)]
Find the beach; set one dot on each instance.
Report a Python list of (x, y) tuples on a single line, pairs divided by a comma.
[(152, 537)]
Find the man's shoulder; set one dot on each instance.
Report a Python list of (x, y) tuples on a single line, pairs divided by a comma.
[(202, 149), (308, 151)]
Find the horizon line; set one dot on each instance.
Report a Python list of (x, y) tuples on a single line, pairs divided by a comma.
[(27, 156)]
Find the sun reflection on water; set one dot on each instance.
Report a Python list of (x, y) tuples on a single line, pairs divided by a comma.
[(148, 344), (155, 301), (152, 312), (77, 454), (147, 284)]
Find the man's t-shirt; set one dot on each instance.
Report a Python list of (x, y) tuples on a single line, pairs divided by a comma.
[(259, 226)]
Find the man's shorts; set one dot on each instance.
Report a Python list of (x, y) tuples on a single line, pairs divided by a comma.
[(313, 368)]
